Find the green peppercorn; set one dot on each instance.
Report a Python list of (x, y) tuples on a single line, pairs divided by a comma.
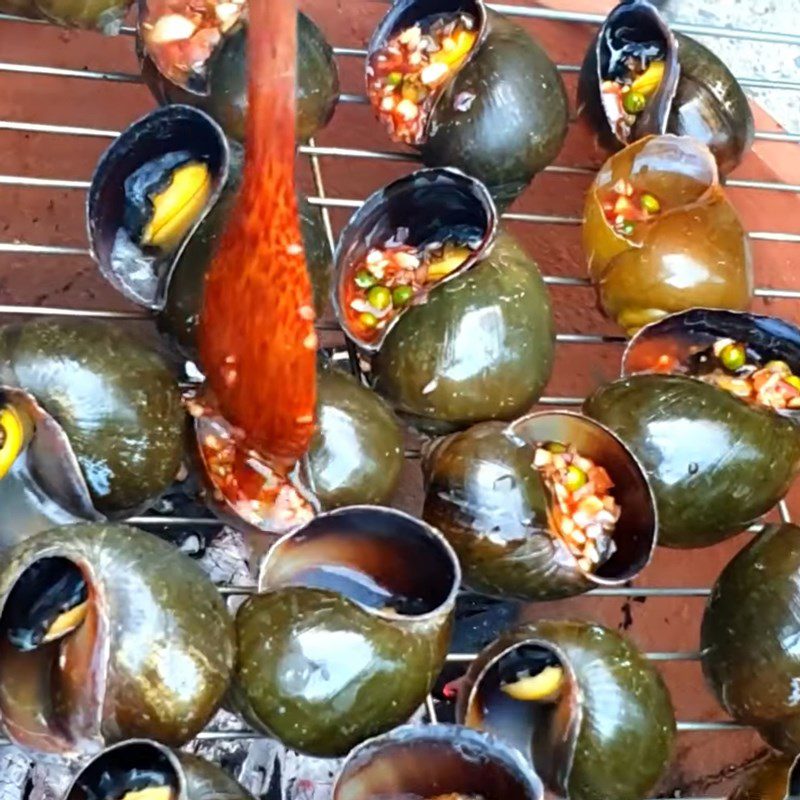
[(555, 447), (627, 228), (576, 478), (634, 102), (650, 204), (394, 78), (365, 279), (379, 297), (401, 295), (781, 367), (368, 320), (733, 356)]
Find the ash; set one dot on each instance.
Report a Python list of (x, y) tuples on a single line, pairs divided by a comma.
[(23, 777)]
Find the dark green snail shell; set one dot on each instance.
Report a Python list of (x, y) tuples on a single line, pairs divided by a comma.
[(173, 283), (226, 96), (481, 346), (105, 16), (778, 778), (483, 492), (748, 634), (436, 760), (610, 733), (715, 463), (515, 120), (153, 657), (116, 402), (20, 8), (322, 664), (189, 777), (698, 96), (354, 457), (477, 344), (356, 454)]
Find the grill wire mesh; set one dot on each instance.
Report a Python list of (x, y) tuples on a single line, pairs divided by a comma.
[(167, 518)]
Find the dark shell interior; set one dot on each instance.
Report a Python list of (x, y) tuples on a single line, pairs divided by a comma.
[(130, 767), (45, 590), (544, 731), (143, 276), (382, 559), (635, 532), (634, 29), (426, 206), (406, 13), (45, 486), (682, 336), (413, 763), (48, 585)]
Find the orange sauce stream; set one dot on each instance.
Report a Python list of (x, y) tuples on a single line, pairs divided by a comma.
[(257, 339)]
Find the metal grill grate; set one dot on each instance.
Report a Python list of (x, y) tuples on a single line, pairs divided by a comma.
[(329, 202)]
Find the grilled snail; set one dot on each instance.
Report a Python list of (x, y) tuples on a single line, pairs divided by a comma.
[(753, 601), (349, 631), (91, 425), (105, 16), (549, 506), (707, 408), (660, 235), (355, 456), (196, 54), (159, 200), (639, 79), (587, 709), (436, 762), (455, 313), (107, 633), (139, 769), (469, 89)]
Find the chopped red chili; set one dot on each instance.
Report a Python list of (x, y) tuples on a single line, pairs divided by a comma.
[(408, 73), (180, 35), (390, 277), (584, 513), (625, 205), (729, 365)]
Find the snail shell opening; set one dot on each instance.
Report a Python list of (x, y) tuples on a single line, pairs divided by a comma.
[(49, 617), (386, 561), (149, 192), (136, 768), (527, 695), (634, 534), (436, 762), (429, 207)]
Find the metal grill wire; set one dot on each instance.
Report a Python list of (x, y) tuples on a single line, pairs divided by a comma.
[(326, 202)]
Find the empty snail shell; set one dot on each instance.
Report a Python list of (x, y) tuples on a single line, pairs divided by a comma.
[(357, 605)]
